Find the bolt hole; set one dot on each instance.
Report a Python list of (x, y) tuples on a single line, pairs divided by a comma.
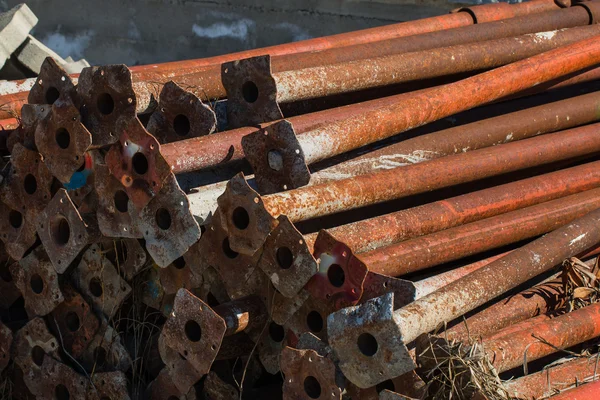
[(179, 263), (37, 355), (276, 332), (275, 160), (367, 344), (105, 103), (72, 321), (285, 258), (37, 284), (241, 219), (61, 392), (52, 94), (30, 184), (336, 275), (211, 300), (121, 201), (193, 331), (314, 320), (163, 218), (95, 287), (100, 355), (312, 387), (15, 219), (61, 231), (139, 163), (227, 249), (181, 125), (385, 385), (63, 138), (250, 92), (81, 167), (5, 274)]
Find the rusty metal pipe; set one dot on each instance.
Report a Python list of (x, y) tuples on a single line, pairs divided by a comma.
[(330, 79), (371, 353), (205, 73), (240, 313), (314, 201), (550, 380), (507, 351), (455, 243), (446, 100), (585, 391)]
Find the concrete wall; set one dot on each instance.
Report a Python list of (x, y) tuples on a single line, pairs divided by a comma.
[(149, 31)]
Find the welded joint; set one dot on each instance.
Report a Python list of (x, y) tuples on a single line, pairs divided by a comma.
[(251, 92)]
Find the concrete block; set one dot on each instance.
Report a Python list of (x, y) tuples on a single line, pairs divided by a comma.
[(75, 67), (15, 26), (32, 54)]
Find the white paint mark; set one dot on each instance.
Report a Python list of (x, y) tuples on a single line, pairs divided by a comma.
[(545, 35), (509, 137), (577, 239)]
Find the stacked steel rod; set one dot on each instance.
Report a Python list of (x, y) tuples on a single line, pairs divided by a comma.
[(410, 211)]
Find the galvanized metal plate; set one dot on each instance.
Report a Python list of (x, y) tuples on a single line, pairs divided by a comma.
[(62, 140), (63, 231), (341, 275), (52, 83), (286, 259), (75, 321), (136, 162), (37, 280), (180, 115), (194, 330), (368, 342), (244, 217), (99, 282), (251, 92), (108, 102), (277, 158)]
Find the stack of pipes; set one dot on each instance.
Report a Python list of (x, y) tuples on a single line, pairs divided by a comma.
[(408, 211)]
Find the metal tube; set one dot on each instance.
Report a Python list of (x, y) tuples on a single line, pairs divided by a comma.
[(240, 313), (585, 391), (372, 233), (330, 79), (550, 380), (388, 332), (507, 351), (206, 72), (249, 218), (455, 243), (446, 100)]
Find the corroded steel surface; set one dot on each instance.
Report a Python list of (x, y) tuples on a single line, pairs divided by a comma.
[(486, 234), (564, 331), (586, 391), (388, 332), (552, 379)]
